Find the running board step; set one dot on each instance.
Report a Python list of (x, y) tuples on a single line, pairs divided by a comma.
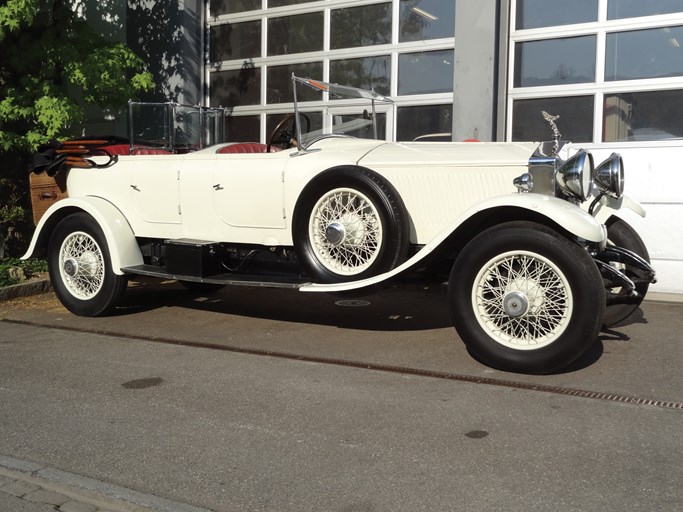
[(228, 279)]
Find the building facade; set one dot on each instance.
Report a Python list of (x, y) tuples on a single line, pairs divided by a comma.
[(475, 69)]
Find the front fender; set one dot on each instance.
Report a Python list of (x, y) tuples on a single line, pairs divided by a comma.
[(608, 206), (123, 248), (570, 217)]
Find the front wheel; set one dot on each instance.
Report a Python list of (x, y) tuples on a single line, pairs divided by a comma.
[(80, 267), (526, 299), (621, 234)]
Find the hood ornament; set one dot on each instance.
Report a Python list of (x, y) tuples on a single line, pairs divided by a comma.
[(553, 126)]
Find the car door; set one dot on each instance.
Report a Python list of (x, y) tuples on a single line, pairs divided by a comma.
[(248, 189), (154, 188)]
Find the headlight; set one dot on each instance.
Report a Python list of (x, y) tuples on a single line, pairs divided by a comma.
[(609, 176), (575, 177)]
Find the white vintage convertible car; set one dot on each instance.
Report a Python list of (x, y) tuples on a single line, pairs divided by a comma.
[(537, 257)]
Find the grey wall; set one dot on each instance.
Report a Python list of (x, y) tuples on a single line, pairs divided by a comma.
[(475, 91)]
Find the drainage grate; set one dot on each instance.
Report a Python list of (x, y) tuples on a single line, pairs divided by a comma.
[(579, 393)]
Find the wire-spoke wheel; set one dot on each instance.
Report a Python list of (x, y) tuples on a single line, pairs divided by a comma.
[(525, 298), (522, 299), (80, 267), (350, 224), (345, 231)]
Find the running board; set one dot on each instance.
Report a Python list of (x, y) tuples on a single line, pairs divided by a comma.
[(227, 279)]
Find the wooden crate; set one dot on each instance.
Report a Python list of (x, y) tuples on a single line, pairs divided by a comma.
[(46, 191)]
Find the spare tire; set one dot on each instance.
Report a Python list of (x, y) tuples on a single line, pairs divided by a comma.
[(350, 224)]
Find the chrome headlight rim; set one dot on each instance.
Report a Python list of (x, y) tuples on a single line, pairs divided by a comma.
[(609, 176), (576, 175)]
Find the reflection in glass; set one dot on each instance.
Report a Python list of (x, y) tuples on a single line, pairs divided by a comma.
[(426, 19), (360, 125), (316, 124), (575, 122), (617, 9), (282, 3), (373, 73), (279, 89), (218, 7), (242, 128), (235, 41), (555, 61), (360, 26), (295, 34), (643, 116), (425, 72), (549, 13), (413, 122), (236, 87), (652, 53)]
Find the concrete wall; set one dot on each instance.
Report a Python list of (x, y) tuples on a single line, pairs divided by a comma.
[(475, 82)]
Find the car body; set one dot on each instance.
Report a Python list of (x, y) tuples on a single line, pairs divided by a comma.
[(521, 229)]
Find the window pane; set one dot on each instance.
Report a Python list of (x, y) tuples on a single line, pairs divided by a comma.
[(236, 87), (425, 72), (282, 3), (218, 7), (360, 26), (555, 61), (295, 34), (617, 9), (242, 128), (306, 134), (426, 19), (235, 41), (367, 73), (413, 122), (643, 116), (548, 13), (360, 125), (653, 53), (575, 122), (279, 89)]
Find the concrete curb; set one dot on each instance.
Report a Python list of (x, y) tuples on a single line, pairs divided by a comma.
[(88, 490), (25, 289)]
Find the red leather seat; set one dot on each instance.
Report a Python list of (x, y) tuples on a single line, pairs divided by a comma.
[(124, 149), (246, 147)]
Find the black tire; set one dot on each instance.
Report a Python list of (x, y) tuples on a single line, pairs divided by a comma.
[(621, 234), (350, 224), (80, 267), (526, 299)]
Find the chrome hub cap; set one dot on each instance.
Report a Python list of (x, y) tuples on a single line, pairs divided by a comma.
[(71, 267), (335, 233), (515, 304)]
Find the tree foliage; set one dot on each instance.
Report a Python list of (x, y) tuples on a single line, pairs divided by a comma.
[(53, 63)]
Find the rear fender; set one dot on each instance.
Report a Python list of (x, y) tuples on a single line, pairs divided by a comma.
[(559, 212), (123, 248)]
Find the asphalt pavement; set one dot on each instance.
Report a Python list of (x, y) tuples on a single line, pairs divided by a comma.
[(245, 401)]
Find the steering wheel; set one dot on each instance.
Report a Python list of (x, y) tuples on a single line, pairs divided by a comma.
[(282, 135)]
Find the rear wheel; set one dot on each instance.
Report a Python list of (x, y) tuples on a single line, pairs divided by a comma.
[(80, 267), (526, 299)]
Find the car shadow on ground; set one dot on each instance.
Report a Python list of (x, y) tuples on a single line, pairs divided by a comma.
[(421, 307)]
